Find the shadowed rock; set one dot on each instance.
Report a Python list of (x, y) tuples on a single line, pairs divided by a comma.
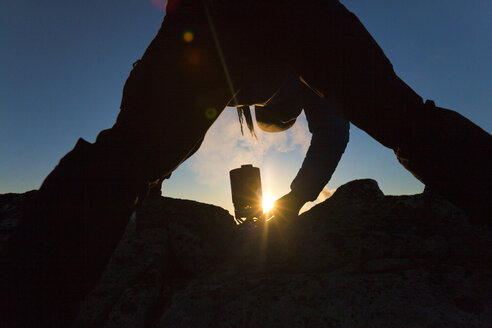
[(360, 259)]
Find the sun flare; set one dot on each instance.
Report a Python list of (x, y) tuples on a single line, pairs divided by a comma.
[(268, 201)]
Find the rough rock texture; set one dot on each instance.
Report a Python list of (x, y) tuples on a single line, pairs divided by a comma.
[(11, 209), (360, 259), (171, 240)]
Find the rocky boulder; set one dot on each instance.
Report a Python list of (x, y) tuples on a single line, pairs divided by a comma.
[(360, 259), (11, 213)]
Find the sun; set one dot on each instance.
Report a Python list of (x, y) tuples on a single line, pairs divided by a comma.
[(268, 201)]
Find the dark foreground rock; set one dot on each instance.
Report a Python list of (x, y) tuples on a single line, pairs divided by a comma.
[(360, 259), (11, 210)]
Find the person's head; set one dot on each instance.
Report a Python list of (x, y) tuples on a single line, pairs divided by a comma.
[(271, 118), (280, 112)]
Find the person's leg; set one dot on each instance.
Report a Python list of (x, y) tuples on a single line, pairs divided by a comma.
[(155, 188), (84, 204), (68, 234), (453, 157), (441, 148)]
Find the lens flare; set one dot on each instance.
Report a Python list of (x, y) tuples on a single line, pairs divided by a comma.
[(188, 36), (268, 201), (169, 6), (159, 4), (211, 113), (193, 57)]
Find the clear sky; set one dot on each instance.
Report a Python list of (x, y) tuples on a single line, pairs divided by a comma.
[(63, 65)]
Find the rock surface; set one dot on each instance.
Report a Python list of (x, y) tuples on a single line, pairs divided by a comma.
[(360, 259), (11, 209)]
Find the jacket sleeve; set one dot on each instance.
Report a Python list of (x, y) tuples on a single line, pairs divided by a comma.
[(330, 135)]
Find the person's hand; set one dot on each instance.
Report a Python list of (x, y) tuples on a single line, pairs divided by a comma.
[(286, 207)]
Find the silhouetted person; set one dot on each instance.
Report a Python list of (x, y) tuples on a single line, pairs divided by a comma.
[(242, 50), (330, 135)]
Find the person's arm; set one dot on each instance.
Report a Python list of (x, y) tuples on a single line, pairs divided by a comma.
[(330, 135), (329, 140)]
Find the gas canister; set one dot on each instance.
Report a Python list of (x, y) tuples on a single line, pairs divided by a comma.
[(246, 191)]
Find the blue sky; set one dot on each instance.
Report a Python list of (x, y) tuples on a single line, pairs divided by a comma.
[(63, 65)]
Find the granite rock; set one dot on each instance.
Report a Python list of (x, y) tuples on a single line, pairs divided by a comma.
[(359, 259)]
